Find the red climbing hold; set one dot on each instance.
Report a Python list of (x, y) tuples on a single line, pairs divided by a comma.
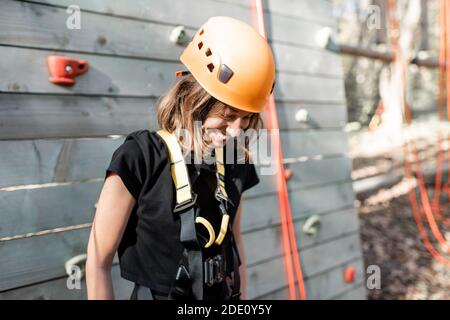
[(64, 69), (349, 274), (287, 173)]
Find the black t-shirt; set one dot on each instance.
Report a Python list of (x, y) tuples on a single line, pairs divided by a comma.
[(150, 249)]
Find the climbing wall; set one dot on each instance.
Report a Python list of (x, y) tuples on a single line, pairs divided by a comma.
[(55, 142)]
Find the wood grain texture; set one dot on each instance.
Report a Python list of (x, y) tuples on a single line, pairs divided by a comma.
[(113, 76), (38, 26), (57, 289), (36, 161), (37, 259), (110, 76), (270, 276), (266, 243), (163, 12), (37, 209), (327, 285), (31, 116), (34, 116)]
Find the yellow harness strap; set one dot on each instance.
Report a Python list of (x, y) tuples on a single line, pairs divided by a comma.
[(184, 195), (220, 166), (178, 169)]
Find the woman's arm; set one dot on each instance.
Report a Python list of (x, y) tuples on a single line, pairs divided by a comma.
[(111, 217), (238, 238)]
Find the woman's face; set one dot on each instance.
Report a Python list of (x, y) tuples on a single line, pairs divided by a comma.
[(220, 128)]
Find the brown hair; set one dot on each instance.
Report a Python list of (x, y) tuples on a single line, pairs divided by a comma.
[(187, 101)]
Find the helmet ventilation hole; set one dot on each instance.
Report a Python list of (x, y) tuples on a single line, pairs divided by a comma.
[(200, 45), (208, 52), (210, 67), (201, 32)]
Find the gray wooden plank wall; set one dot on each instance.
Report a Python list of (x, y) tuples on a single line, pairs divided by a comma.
[(55, 142)]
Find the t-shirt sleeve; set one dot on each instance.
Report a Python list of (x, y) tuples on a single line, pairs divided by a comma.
[(251, 178), (128, 163)]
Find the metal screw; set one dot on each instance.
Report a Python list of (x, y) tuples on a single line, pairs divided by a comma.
[(68, 69)]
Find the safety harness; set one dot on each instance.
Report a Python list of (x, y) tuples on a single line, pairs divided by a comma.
[(194, 271)]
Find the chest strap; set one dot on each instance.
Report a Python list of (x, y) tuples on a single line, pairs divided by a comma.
[(191, 266), (184, 195)]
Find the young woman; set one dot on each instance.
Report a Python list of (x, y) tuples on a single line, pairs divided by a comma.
[(192, 251)]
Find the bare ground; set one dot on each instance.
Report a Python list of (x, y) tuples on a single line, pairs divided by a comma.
[(390, 239)]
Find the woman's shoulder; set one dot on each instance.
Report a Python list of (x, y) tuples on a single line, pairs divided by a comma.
[(141, 146), (138, 157), (148, 141)]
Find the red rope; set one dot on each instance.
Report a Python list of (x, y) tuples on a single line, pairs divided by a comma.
[(287, 227), (426, 208)]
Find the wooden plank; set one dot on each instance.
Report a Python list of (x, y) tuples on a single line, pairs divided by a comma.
[(324, 286), (38, 26), (356, 293), (57, 289), (294, 31), (164, 12), (300, 87), (31, 260), (249, 220), (294, 59), (318, 258), (270, 275), (29, 116), (318, 172), (113, 76), (41, 258), (11, 250), (37, 209), (280, 28), (319, 116), (32, 210), (264, 244), (303, 202), (331, 284), (311, 143), (311, 200), (306, 174), (34, 116), (36, 161), (109, 76), (313, 10)]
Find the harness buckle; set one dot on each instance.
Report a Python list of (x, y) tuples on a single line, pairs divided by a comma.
[(186, 204), (214, 270), (223, 199)]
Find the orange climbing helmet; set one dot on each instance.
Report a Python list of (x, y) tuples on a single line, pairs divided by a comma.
[(232, 62)]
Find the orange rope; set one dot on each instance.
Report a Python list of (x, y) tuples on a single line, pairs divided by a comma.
[(287, 227), (426, 209), (446, 44), (417, 217), (442, 57)]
